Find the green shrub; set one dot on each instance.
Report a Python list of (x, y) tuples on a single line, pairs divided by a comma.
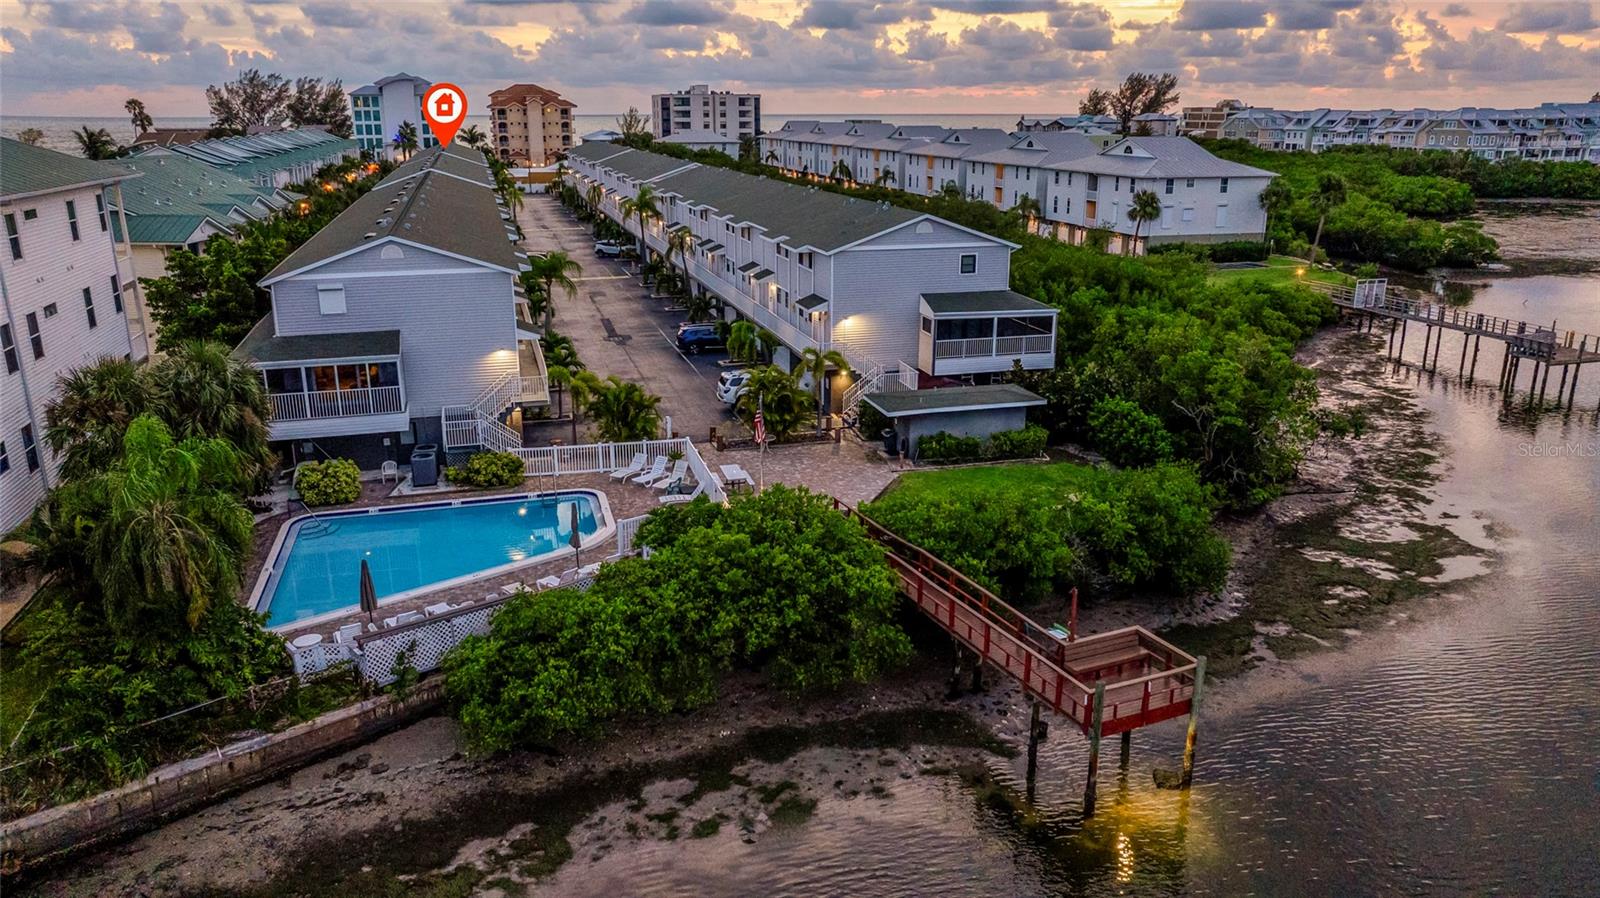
[(488, 470), (1128, 435), (779, 582), (1028, 442), (1226, 251), (332, 482)]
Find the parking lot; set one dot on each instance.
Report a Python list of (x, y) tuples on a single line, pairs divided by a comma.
[(617, 329)]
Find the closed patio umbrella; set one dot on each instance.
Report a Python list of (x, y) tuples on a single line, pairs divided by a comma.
[(369, 593), (576, 539)]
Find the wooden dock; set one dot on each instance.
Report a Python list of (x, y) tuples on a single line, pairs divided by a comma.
[(1545, 347)]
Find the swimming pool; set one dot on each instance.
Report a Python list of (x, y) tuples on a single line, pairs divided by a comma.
[(315, 567)]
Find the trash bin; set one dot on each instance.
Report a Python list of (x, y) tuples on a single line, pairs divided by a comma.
[(891, 440), (424, 467)]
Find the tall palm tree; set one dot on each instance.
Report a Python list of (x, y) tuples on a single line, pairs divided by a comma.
[(622, 410), (1330, 195), (405, 139), (1146, 206), (201, 390), (784, 406), (96, 143), (743, 344), (1274, 198), (679, 242), (558, 350), (171, 534), (816, 363), (1028, 208), (473, 137), (142, 122), (594, 196), (642, 205), (555, 269), (87, 420)]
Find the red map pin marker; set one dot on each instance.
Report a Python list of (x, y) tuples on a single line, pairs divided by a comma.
[(444, 107)]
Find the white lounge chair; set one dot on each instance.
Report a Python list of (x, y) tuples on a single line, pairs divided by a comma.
[(549, 582), (440, 608), (634, 467), (347, 634), (678, 471), (654, 474)]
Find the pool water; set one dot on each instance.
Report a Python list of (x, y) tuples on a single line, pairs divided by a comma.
[(319, 567)]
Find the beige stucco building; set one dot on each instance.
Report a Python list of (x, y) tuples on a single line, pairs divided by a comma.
[(530, 125)]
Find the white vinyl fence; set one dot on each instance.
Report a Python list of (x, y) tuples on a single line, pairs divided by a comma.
[(596, 458)]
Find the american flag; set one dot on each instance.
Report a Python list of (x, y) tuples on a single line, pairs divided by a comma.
[(761, 425)]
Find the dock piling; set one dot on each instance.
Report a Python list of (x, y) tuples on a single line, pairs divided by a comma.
[(1473, 373), (1033, 747), (1194, 721), (1094, 749)]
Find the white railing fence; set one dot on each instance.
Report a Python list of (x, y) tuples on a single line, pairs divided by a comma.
[(336, 403), (596, 458), (627, 529)]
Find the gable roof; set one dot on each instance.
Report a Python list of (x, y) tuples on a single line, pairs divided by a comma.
[(428, 207), (175, 195), (27, 170), (1164, 157)]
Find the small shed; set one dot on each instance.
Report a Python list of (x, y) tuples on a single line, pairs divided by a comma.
[(963, 411)]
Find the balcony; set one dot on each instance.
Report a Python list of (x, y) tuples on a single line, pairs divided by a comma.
[(984, 332), (336, 403)]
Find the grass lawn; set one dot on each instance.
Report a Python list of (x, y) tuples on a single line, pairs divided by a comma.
[(991, 479), (1282, 269)]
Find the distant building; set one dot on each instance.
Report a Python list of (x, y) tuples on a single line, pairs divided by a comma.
[(379, 108), (530, 125), (700, 108), (703, 140), (62, 282), (269, 160), (604, 135), (1206, 121)]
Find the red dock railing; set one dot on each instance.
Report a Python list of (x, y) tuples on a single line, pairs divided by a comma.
[(1146, 678)]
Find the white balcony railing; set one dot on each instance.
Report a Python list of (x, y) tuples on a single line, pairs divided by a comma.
[(792, 329), (985, 347), (336, 403)]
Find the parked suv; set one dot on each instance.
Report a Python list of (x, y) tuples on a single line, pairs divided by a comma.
[(695, 337), (731, 385), (608, 248)]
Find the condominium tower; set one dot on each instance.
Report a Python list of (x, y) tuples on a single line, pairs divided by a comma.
[(530, 125), (378, 109), (700, 108)]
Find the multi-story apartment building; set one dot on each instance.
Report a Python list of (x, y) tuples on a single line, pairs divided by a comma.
[(893, 290), (401, 322), (702, 109), (1207, 121), (62, 281), (1206, 199), (379, 108), (530, 125)]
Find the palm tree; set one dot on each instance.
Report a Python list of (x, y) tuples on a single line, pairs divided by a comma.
[(561, 376), (539, 307), (679, 242), (743, 344), (473, 137), (1330, 195), (784, 406), (1146, 206), (170, 534), (816, 363), (698, 306), (622, 410), (86, 422), (558, 350), (142, 121), (642, 205), (405, 139), (202, 391), (1275, 197), (772, 157), (1028, 208), (840, 172), (96, 143), (884, 178), (555, 269)]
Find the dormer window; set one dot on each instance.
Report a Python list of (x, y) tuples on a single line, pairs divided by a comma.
[(1127, 150)]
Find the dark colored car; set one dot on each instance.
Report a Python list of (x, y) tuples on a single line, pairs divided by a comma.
[(695, 337)]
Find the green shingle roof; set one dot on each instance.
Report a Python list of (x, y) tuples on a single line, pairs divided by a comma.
[(26, 170), (805, 216), (981, 301), (261, 346), (429, 208), (175, 195), (951, 399)]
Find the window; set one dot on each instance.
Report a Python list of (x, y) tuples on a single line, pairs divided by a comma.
[(330, 298), (5, 460), (50, 310), (1170, 182), (927, 328), (100, 210), (1188, 183), (33, 336), (116, 294), (12, 236), (1055, 203), (1094, 182), (805, 260), (30, 214), (969, 263), (1224, 185), (30, 449), (88, 308), (9, 348), (72, 218)]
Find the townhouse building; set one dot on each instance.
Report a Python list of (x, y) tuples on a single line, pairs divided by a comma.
[(270, 160), (401, 322), (63, 274), (700, 108), (905, 296), (530, 125), (378, 109), (942, 163)]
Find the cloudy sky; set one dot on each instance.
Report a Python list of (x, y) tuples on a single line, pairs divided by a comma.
[(84, 57)]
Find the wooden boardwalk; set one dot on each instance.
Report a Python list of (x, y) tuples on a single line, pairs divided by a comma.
[(1546, 347)]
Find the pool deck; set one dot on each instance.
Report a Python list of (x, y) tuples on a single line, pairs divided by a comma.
[(627, 500)]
